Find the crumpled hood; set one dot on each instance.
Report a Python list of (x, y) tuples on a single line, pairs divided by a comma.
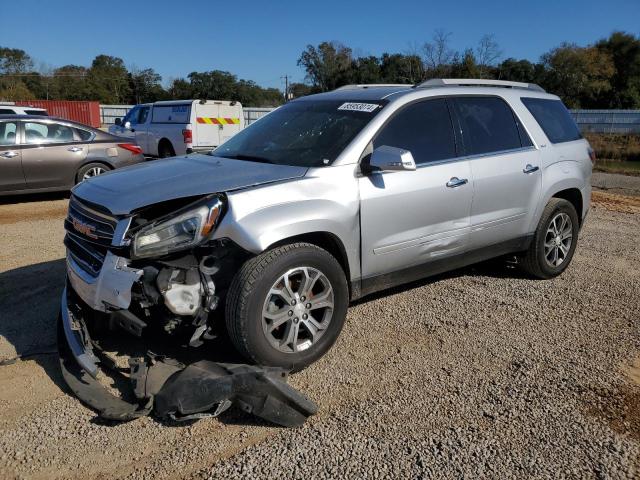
[(130, 188)]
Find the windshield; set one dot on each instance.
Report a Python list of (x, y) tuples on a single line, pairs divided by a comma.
[(304, 133)]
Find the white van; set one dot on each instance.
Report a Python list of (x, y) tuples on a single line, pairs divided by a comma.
[(165, 129)]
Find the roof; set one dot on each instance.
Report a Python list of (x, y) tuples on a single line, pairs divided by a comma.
[(362, 92), (47, 118), (380, 92), (22, 116)]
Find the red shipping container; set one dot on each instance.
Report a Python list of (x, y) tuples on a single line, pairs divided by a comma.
[(78, 111)]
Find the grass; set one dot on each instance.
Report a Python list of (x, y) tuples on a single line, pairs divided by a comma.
[(616, 153), (613, 166), (615, 147)]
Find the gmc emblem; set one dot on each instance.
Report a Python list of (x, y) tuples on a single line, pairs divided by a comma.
[(83, 228)]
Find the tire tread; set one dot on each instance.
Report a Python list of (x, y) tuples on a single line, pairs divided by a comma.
[(242, 286)]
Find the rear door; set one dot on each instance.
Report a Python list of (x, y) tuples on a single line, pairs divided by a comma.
[(11, 174), (505, 167), (208, 127), (410, 218), (232, 117), (51, 154)]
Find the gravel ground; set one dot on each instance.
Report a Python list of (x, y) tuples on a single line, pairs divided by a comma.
[(616, 183), (480, 373)]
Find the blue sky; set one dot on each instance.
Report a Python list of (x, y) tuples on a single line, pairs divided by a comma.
[(262, 41)]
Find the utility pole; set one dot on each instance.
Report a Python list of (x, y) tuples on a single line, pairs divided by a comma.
[(286, 87)]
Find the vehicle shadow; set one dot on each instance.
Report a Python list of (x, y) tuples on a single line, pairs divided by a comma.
[(495, 268), (29, 307), (29, 302), (33, 197)]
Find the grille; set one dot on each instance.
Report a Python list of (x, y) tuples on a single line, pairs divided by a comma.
[(89, 223), (88, 256), (89, 233)]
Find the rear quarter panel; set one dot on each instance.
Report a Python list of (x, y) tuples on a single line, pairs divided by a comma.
[(564, 165)]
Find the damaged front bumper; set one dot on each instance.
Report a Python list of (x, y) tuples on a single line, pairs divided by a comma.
[(165, 386)]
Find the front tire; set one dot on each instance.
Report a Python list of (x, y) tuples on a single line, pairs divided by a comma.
[(554, 241), (286, 307)]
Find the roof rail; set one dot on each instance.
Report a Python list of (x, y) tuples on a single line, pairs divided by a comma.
[(472, 82), (372, 85)]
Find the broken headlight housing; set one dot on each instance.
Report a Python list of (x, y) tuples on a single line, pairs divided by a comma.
[(180, 230)]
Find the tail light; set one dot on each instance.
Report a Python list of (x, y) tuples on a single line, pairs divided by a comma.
[(592, 156), (135, 149), (187, 134)]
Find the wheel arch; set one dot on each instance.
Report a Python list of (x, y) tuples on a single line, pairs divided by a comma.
[(325, 240), (165, 141), (574, 196)]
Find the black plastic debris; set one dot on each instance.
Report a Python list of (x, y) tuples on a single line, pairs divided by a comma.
[(169, 389)]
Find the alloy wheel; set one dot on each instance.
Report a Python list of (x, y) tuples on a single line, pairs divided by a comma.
[(93, 172), (557, 240), (298, 309)]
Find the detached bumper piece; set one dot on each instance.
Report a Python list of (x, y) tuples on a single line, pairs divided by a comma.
[(169, 389)]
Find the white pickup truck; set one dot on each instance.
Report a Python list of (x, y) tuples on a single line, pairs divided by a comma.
[(169, 128)]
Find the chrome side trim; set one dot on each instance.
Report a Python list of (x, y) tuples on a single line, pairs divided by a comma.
[(85, 359)]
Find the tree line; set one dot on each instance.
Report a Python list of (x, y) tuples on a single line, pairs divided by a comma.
[(109, 81), (605, 74)]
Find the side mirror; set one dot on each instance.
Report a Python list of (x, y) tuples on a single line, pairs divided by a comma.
[(118, 121), (127, 125), (391, 159)]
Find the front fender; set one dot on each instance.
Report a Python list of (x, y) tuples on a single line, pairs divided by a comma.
[(258, 218)]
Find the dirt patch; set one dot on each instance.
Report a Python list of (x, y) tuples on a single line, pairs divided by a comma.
[(615, 202), (21, 212), (621, 408)]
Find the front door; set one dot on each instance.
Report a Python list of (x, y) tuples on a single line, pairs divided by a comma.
[(505, 167), (411, 218), (51, 154), (11, 174), (141, 128)]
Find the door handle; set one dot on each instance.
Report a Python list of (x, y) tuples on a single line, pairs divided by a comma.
[(456, 182), (9, 154), (530, 168), (75, 149)]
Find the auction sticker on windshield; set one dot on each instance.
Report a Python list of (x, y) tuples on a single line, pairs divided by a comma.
[(359, 107)]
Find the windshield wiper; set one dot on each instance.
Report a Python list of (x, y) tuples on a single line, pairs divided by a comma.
[(251, 158)]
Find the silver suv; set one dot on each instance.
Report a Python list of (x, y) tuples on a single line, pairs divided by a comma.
[(327, 199)]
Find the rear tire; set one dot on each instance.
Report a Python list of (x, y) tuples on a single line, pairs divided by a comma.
[(166, 150), (286, 307), (91, 170), (554, 241)]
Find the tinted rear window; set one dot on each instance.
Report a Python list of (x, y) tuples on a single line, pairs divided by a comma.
[(554, 118), (488, 125), (6, 111), (424, 129), (37, 112)]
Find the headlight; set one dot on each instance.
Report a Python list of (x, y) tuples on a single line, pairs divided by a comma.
[(179, 231)]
